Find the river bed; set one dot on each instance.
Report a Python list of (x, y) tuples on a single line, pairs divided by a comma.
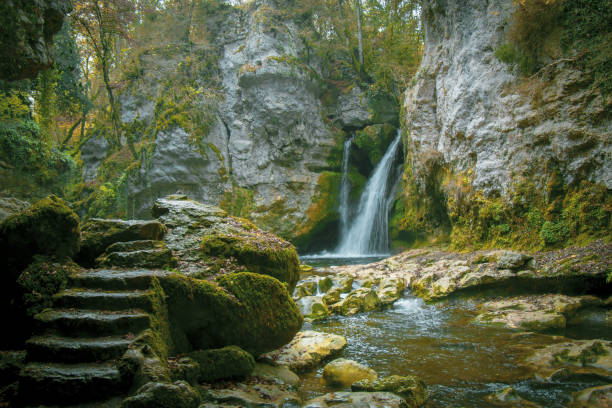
[(461, 362)]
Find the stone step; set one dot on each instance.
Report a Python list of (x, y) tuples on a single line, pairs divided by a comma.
[(145, 258), (74, 322), (103, 299), (118, 279), (71, 350), (56, 383)]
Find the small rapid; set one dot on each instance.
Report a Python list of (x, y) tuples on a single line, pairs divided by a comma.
[(461, 362)]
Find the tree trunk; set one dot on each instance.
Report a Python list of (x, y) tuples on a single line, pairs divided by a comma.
[(359, 31)]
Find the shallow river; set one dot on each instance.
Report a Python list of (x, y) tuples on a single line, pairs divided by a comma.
[(460, 362)]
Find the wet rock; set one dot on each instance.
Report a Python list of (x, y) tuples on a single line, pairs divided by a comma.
[(596, 397), (208, 241), (389, 290), (312, 308), (343, 372), (332, 296), (251, 395), (277, 374), (99, 234), (412, 389), (306, 350), (10, 206), (360, 300), (138, 254), (224, 363), (536, 312), (357, 400), (513, 260), (508, 397), (344, 282), (575, 358), (434, 275), (163, 395), (306, 287)]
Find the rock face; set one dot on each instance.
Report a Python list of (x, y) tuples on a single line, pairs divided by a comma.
[(466, 110), (266, 133), (27, 34)]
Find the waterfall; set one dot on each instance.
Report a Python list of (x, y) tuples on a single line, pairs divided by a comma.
[(369, 232), (345, 188)]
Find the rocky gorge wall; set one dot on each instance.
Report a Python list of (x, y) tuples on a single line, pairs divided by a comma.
[(238, 121), (492, 155)]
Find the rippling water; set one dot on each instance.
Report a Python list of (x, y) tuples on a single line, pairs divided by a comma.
[(461, 362)]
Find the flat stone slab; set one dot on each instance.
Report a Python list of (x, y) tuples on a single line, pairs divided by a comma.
[(358, 400), (572, 358), (433, 275), (535, 312), (306, 350)]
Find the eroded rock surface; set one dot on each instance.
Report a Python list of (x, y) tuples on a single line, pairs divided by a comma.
[(306, 350), (357, 400)]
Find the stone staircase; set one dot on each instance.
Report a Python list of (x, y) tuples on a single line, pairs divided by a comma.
[(73, 357)]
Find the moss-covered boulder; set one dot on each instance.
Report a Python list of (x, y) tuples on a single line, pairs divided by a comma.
[(343, 372), (42, 279), (163, 395), (258, 251), (224, 363), (252, 311), (360, 300), (210, 242), (412, 389), (49, 227), (99, 234)]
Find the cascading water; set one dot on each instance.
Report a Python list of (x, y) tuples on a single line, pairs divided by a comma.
[(368, 234), (343, 207)]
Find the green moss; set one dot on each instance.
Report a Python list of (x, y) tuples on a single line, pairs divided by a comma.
[(322, 214), (238, 201), (42, 279), (225, 363), (48, 227), (587, 356), (259, 253), (252, 311)]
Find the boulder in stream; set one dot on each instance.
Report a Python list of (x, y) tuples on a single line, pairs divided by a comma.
[(409, 387), (306, 350), (358, 400), (313, 307), (595, 397), (360, 300), (343, 372)]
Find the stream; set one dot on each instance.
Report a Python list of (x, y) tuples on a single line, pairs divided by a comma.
[(461, 362)]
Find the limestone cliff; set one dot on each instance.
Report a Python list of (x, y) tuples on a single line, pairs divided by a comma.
[(476, 131), (248, 131)]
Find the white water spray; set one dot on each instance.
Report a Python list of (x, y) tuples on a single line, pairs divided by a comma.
[(369, 232)]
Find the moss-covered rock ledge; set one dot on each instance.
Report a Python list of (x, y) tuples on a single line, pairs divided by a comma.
[(209, 242)]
